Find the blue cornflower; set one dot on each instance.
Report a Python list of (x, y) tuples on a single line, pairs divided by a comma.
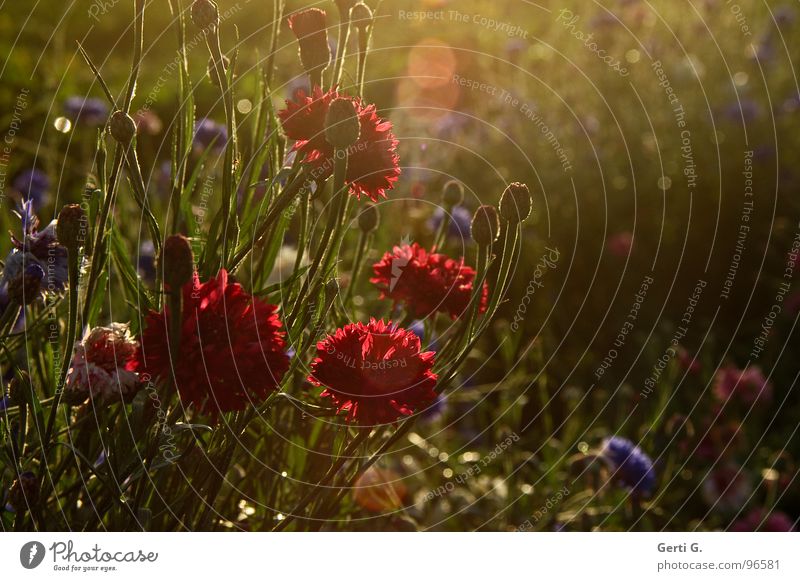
[(90, 111), (39, 248), (33, 184), (418, 328), (146, 262), (459, 222), (209, 133), (746, 109), (632, 467), (436, 409), (784, 15)]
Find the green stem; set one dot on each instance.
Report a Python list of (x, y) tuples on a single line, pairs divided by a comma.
[(441, 233), (140, 194), (277, 8), (279, 205), (364, 34), (391, 441), (8, 320), (74, 281), (341, 49), (99, 246), (363, 434), (363, 243), (229, 232), (327, 244)]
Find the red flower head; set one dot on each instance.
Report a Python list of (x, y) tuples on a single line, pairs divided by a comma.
[(620, 244), (426, 282), (374, 372), (372, 162), (747, 386), (231, 347)]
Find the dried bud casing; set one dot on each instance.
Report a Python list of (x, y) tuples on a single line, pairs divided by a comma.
[(25, 288), (453, 193), (516, 203), (369, 219), (310, 28), (123, 127), (361, 15), (177, 261), (72, 226), (342, 127), (205, 14), (485, 225)]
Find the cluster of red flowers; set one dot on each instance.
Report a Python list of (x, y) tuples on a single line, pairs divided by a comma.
[(372, 162), (231, 348), (426, 282), (231, 354)]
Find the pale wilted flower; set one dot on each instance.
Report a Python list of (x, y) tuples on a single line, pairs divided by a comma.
[(102, 366)]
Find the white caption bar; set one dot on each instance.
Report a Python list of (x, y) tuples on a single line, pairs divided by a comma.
[(399, 556)]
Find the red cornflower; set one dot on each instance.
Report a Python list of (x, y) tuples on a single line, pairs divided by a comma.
[(426, 282), (372, 163), (747, 386), (374, 372), (231, 351)]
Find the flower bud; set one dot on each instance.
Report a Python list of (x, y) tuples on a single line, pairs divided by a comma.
[(24, 493), (19, 388), (331, 291), (71, 227), (24, 288), (485, 225), (361, 15), (453, 193), (212, 70), (369, 219), (310, 28), (177, 261), (205, 14), (342, 127), (516, 203), (123, 127)]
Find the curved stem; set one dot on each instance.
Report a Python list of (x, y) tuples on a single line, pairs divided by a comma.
[(327, 244), (341, 49), (229, 234), (363, 434), (363, 242), (391, 441), (72, 325)]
